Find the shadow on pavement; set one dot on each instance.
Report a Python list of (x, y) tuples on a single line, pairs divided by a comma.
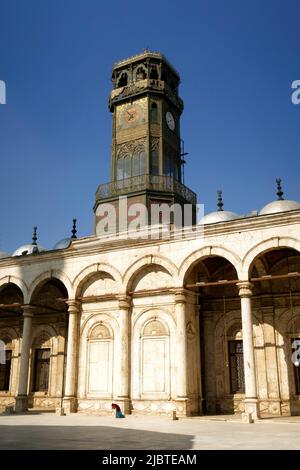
[(89, 438)]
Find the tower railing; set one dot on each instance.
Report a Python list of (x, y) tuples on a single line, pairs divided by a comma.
[(163, 183)]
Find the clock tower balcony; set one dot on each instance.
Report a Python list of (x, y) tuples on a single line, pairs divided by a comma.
[(159, 184)]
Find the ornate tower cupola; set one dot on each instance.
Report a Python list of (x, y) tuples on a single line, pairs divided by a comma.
[(146, 157)]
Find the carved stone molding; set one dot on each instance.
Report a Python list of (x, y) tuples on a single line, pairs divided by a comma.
[(245, 289), (124, 302), (73, 306), (130, 148)]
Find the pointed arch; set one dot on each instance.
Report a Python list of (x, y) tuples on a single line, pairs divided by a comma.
[(86, 273), (205, 252), (265, 246), (17, 282), (146, 261), (47, 276)]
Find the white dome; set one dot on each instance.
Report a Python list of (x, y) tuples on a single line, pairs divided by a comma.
[(282, 205), (28, 250), (62, 244), (218, 216)]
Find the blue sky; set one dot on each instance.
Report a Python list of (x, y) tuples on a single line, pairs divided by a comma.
[(237, 60)]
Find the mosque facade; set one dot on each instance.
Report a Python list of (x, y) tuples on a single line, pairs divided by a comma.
[(198, 318)]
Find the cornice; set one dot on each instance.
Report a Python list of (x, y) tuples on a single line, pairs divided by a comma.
[(142, 56), (94, 245)]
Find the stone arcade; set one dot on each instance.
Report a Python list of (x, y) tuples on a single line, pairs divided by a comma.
[(198, 324)]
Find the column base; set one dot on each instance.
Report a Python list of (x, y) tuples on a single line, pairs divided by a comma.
[(251, 412), (70, 405), (183, 406), (125, 405), (21, 404)]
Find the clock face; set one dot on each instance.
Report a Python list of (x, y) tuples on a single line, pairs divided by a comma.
[(131, 115), (170, 120)]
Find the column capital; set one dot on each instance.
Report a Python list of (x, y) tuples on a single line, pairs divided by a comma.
[(28, 310), (245, 289), (124, 302), (180, 296), (73, 305)]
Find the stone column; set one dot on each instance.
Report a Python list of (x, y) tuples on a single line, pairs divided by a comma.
[(123, 369), (180, 313), (22, 398), (70, 400), (251, 401)]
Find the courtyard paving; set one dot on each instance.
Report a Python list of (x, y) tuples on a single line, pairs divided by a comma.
[(37, 430)]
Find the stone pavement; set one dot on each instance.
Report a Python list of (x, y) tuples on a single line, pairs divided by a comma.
[(38, 430)]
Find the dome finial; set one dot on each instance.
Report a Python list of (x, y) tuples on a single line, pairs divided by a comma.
[(279, 190), (34, 236), (74, 230), (220, 200)]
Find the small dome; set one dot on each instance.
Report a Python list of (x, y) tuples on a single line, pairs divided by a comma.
[(62, 244), (28, 250), (282, 205), (3, 255), (218, 216)]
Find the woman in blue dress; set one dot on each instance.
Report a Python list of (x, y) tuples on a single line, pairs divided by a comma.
[(119, 413)]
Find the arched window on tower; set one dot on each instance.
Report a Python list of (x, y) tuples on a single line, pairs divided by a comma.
[(139, 163), (123, 80), (154, 162), (140, 74), (135, 165), (171, 167), (153, 73), (154, 112), (167, 165), (120, 168), (143, 163), (127, 167)]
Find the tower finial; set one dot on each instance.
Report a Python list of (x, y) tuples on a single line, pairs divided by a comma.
[(34, 236), (220, 200), (279, 190), (74, 230)]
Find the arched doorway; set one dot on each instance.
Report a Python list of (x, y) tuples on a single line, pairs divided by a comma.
[(275, 275), (11, 301), (48, 346), (213, 280)]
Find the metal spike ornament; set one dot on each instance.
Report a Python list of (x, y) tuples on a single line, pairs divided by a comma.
[(34, 236), (220, 201), (279, 190), (74, 230)]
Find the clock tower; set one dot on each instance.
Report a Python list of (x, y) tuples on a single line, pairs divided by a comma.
[(146, 156)]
